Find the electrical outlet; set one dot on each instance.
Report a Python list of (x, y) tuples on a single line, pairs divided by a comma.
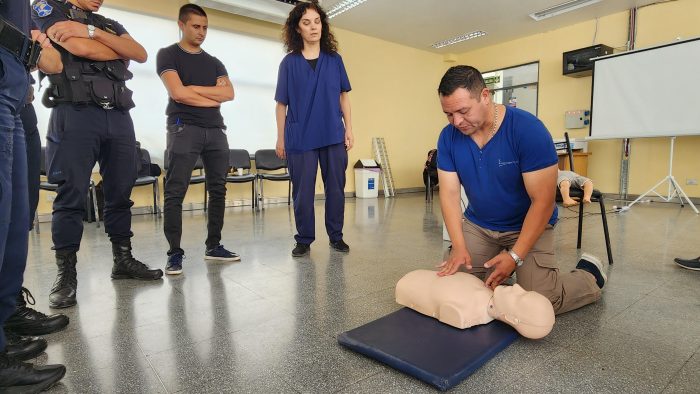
[(691, 181)]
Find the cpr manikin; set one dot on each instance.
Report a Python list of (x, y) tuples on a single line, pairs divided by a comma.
[(461, 300)]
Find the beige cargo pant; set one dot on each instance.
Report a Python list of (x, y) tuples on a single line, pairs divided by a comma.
[(566, 290)]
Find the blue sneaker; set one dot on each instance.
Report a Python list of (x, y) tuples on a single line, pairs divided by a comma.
[(174, 265), (220, 253)]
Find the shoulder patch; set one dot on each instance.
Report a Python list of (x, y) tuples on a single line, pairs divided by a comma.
[(42, 8)]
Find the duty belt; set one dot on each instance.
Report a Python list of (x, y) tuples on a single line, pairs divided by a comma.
[(12, 39)]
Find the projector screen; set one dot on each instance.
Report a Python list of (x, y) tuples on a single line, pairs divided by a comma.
[(653, 92), (252, 65)]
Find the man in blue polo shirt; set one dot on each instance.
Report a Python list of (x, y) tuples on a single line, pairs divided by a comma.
[(505, 160)]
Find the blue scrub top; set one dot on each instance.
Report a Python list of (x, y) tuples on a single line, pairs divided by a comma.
[(492, 175), (314, 117)]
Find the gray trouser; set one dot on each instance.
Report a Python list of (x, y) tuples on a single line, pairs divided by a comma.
[(566, 290), (185, 144)]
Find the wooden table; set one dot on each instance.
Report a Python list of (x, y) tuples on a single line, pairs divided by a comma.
[(580, 162)]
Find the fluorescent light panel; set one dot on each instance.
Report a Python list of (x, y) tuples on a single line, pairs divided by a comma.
[(463, 37), (562, 8), (343, 6)]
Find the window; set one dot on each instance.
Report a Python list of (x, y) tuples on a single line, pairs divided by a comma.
[(515, 86)]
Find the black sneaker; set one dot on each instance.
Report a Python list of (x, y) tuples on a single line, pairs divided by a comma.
[(689, 264), (593, 265), (301, 250), (23, 348), (340, 246), (27, 321), (174, 264), (220, 253), (19, 377)]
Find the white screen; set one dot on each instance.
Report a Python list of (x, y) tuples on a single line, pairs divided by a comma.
[(648, 93), (251, 63)]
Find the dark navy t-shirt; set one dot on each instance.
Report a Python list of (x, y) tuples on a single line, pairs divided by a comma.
[(17, 12), (492, 175), (198, 69)]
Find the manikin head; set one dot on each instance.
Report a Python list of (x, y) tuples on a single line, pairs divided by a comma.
[(88, 5), (193, 23), (529, 312), (465, 99), (462, 300)]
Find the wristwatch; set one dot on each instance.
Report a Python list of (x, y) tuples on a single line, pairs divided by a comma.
[(91, 31), (516, 258)]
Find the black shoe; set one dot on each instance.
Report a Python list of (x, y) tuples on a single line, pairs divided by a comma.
[(18, 377), (593, 265), (301, 250), (65, 287), (127, 267), (27, 321), (340, 246), (23, 348), (689, 264)]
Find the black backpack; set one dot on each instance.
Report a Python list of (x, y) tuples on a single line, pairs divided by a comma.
[(430, 169)]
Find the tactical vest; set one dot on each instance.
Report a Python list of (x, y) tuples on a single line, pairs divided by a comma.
[(85, 81)]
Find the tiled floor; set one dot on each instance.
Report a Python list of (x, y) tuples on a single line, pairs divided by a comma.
[(268, 324)]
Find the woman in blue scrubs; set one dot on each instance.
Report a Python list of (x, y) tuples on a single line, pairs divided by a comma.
[(313, 122)]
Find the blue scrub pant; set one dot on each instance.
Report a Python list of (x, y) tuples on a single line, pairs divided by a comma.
[(302, 169), (78, 137), (14, 204)]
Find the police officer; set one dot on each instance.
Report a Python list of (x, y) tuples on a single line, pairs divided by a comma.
[(19, 51), (90, 123)]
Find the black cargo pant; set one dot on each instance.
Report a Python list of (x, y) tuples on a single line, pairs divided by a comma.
[(78, 137), (186, 143)]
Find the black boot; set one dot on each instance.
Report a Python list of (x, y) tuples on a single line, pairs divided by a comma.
[(65, 287), (27, 321), (19, 377), (23, 348), (127, 267)]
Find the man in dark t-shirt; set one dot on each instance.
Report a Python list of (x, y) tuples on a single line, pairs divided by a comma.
[(197, 84)]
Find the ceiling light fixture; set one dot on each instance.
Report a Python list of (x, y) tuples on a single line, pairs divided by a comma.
[(562, 8), (343, 6), (463, 37)]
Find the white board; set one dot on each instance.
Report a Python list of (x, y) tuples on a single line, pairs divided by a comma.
[(652, 92)]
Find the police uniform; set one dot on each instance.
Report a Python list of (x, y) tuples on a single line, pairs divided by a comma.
[(89, 123)]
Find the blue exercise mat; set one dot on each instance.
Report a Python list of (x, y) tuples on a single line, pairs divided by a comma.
[(427, 349)]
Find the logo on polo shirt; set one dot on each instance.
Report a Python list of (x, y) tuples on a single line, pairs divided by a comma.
[(508, 163)]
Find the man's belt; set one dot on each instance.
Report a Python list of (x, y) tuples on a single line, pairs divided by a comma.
[(12, 39)]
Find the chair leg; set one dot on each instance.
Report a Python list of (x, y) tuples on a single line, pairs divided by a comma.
[(580, 224), (155, 201), (36, 222), (158, 208), (94, 203), (427, 191), (252, 194), (289, 193), (262, 195), (605, 230)]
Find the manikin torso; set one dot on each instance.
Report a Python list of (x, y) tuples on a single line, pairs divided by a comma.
[(462, 300)]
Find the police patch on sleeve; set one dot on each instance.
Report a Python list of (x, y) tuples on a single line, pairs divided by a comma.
[(42, 8)]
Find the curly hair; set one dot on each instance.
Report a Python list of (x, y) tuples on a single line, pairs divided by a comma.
[(292, 38)]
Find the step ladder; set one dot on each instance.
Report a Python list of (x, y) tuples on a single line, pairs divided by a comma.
[(382, 158)]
